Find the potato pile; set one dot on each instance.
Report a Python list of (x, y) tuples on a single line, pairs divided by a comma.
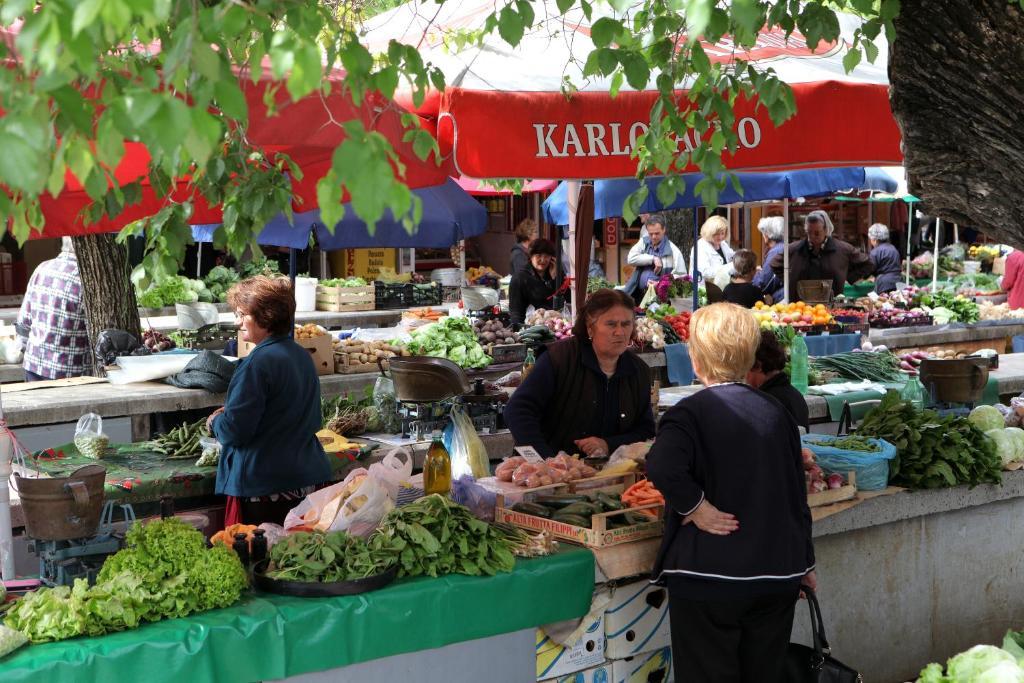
[(309, 331), (363, 352), (493, 333)]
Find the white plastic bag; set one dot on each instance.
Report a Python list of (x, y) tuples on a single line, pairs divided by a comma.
[(393, 470), (356, 505), (631, 451), (89, 437)]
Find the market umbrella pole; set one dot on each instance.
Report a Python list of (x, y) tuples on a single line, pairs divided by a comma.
[(584, 240), (6, 530), (935, 261), (696, 273), (910, 232), (785, 253), (572, 201)]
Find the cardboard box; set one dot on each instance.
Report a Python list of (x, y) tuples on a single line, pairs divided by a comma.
[(554, 659), (320, 348), (596, 674), (636, 620), (651, 667)]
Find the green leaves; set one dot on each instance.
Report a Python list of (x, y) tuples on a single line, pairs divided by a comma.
[(510, 26)]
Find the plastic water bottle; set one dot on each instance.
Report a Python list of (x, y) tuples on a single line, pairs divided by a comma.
[(798, 363)]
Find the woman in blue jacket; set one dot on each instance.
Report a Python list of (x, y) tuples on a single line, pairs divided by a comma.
[(271, 457)]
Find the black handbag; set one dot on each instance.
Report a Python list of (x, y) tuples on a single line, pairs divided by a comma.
[(815, 664)]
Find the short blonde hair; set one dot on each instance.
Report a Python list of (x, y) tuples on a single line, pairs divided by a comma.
[(723, 342), (712, 226), (526, 229)]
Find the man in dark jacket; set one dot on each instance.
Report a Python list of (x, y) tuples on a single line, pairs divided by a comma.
[(820, 256)]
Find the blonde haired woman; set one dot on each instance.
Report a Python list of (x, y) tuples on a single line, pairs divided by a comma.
[(737, 542), (713, 251)]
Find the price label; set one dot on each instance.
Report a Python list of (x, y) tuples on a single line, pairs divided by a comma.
[(529, 454)]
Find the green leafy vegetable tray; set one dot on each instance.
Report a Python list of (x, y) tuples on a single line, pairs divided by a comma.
[(314, 589)]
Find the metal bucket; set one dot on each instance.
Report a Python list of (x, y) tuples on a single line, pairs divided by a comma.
[(62, 508), (954, 381), (425, 379)]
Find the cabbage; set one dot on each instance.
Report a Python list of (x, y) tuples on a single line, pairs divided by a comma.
[(986, 418), (1017, 435), (967, 666), (1004, 672), (1006, 445)]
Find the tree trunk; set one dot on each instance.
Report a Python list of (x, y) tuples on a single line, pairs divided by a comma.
[(107, 291), (957, 94)]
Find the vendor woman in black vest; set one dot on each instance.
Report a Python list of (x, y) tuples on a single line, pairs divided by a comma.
[(587, 394)]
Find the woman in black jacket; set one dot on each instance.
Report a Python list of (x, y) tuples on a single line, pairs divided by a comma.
[(534, 285), (737, 542), (587, 394), (768, 375)]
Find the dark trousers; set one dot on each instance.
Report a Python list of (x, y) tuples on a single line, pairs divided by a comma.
[(272, 511), (33, 377), (735, 641)]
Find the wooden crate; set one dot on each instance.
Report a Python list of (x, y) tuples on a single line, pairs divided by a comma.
[(339, 299), (846, 492), (343, 365), (598, 535)]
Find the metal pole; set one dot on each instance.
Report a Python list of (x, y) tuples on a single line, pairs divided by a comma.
[(293, 265), (573, 200), (785, 253), (935, 262), (696, 273), (910, 231), (199, 260), (956, 234)]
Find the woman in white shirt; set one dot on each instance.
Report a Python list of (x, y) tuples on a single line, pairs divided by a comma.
[(714, 255)]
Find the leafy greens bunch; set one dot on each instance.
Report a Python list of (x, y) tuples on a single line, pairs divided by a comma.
[(326, 557), (435, 536), (165, 571), (933, 450)]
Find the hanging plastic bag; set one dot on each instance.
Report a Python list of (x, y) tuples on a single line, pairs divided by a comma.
[(89, 437), (650, 296), (386, 405), (480, 500), (465, 448)]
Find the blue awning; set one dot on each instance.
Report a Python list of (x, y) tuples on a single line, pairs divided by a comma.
[(449, 215), (610, 195)]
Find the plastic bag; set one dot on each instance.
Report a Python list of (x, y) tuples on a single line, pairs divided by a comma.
[(273, 533), (393, 471), (386, 405), (110, 344), (10, 640), (356, 505), (466, 449), (480, 501), (89, 437), (631, 451), (872, 468), (650, 296)]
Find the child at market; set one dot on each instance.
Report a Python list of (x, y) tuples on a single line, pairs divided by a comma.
[(740, 291)]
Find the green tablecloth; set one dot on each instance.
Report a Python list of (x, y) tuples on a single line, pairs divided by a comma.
[(138, 475), (863, 288), (271, 636), (990, 396)]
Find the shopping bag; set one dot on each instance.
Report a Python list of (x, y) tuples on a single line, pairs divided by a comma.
[(355, 505), (465, 447), (815, 664)]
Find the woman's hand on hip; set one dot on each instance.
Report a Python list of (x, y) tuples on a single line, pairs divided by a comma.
[(810, 580), (592, 446), (712, 520), (213, 416)]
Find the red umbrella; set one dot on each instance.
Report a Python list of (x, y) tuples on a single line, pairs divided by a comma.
[(308, 131), (505, 112)]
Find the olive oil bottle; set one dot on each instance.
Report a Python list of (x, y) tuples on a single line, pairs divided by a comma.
[(437, 468)]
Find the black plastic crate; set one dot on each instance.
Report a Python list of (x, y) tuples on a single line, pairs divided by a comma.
[(392, 295), (428, 294)]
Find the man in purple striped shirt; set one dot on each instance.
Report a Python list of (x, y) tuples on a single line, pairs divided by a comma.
[(51, 324)]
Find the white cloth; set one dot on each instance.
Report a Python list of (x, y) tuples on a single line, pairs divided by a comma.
[(638, 258), (708, 260)]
